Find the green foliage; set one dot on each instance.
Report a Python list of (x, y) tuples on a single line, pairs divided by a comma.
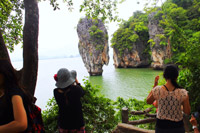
[(191, 69), (130, 32), (100, 9), (163, 39), (135, 105), (99, 113), (50, 116), (183, 3), (11, 22), (181, 24), (97, 35)]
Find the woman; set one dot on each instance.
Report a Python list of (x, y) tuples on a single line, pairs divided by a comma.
[(68, 96), (170, 97), (13, 115)]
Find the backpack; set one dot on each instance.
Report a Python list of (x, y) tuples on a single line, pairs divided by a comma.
[(35, 122)]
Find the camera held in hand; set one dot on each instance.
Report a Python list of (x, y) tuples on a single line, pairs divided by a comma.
[(196, 115)]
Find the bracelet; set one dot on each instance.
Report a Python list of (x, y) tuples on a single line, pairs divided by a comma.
[(193, 127)]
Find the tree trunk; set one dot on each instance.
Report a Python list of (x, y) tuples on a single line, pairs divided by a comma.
[(30, 45), (3, 50)]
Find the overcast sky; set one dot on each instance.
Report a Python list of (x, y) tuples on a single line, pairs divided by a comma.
[(57, 29)]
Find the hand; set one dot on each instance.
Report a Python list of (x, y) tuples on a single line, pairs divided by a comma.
[(76, 81), (156, 81), (193, 121)]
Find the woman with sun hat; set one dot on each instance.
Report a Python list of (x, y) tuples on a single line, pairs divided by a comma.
[(67, 96)]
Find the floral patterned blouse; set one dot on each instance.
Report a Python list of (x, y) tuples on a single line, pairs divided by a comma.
[(169, 103)]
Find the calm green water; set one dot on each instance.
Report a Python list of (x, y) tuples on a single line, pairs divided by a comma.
[(126, 83)]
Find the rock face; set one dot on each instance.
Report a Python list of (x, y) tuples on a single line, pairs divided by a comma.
[(159, 52), (93, 45), (131, 59)]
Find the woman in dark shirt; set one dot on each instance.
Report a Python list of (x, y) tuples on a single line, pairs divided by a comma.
[(68, 96), (13, 116)]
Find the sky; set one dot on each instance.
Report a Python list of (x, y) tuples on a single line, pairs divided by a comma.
[(57, 29)]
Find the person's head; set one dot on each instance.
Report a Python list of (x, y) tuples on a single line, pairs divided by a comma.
[(171, 73), (8, 77), (64, 78)]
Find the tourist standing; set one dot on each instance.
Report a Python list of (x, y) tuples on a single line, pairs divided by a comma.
[(68, 96), (170, 97)]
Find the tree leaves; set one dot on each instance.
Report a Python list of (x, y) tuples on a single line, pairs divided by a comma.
[(100, 9), (11, 22)]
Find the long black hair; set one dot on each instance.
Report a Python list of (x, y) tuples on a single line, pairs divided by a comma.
[(171, 73), (10, 80)]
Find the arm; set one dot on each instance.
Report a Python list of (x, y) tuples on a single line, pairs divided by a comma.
[(20, 121), (150, 98), (186, 105), (193, 121), (156, 81)]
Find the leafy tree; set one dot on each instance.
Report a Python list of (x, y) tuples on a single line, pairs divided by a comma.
[(183, 3), (182, 27)]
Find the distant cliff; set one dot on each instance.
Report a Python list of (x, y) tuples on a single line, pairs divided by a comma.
[(93, 45), (140, 42), (129, 43)]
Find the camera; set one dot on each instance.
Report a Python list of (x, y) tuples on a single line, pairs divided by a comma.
[(196, 114)]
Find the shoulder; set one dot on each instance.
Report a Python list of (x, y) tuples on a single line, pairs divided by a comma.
[(155, 91), (57, 91), (182, 91), (156, 88), (15, 91)]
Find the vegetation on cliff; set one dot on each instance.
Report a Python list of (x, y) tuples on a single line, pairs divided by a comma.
[(131, 31), (97, 35)]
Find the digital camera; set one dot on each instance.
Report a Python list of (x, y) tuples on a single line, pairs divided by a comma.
[(196, 114)]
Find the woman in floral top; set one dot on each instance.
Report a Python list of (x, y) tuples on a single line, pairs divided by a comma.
[(171, 98)]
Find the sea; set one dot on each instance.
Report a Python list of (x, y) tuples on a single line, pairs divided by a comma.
[(114, 82)]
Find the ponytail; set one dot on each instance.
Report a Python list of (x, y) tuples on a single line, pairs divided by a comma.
[(174, 83)]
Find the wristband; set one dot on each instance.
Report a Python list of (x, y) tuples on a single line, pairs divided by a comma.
[(193, 127)]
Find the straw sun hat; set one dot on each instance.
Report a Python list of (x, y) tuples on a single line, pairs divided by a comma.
[(64, 78)]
